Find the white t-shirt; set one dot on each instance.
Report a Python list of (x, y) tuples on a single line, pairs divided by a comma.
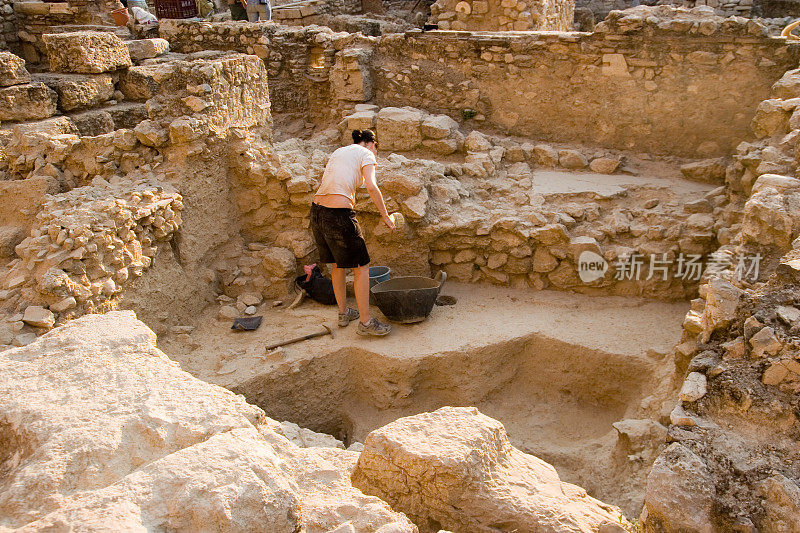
[(343, 172)]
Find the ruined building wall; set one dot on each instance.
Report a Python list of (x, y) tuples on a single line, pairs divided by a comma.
[(631, 85), (288, 53), (499, 15), (640, 88)]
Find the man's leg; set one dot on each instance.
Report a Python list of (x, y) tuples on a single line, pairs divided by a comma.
[(361, 286), (252, 12), (339, 287)]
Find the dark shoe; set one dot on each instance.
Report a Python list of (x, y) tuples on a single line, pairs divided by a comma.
[(348, 316), (373, 327)]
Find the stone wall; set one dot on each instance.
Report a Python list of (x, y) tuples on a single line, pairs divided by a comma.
[(647, 80), (500, 15), (298, 59), (630, 85)]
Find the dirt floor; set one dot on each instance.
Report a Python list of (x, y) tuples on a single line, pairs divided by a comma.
[(556, 368)]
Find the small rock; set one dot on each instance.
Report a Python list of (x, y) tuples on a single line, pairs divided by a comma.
[(181, 330), (23, 339), (765, 342), (227, 312), (788, 314), (694, 387), (774, 374), (735, 349), (250, 310), (63, 305), (250, 299), (477, 142), (39, 317), (571, 159), (604, 165), (679, 417)]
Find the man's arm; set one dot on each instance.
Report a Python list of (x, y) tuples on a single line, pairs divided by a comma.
[(368, 171)]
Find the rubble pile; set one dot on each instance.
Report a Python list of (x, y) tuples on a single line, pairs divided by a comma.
[(88, 242)]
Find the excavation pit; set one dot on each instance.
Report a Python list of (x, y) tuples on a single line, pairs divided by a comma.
[(557, 369)]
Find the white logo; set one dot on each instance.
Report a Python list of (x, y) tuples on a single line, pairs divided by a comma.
[(591, 266)]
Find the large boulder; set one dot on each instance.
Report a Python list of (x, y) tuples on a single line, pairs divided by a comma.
[(12, 70), (455, 467), (119, 424), (86, 52)]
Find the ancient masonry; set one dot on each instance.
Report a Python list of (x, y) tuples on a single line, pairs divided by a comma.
[(156, 185)]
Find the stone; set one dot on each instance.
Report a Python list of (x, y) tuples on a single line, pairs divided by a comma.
[(604, 165), (455, 467), (186, 455), (415, 207), (735, 349), (141, 82), (722, 302), (31, 101), (250, 299), (438, 126), (227, 312), (477, 142), (680, 492), (360, 120), (571, 159), (788, 314), (694, 387), (12, 70), (545, 155), (141, 49), (765, 342), (781, 503), (39, 317), (63, 305), (543, 260), (706, 171), (279, 262), (86, 52), (23, 339), (774, 374), (250, 310), (679, 417), (641, 434), (79, 91), (399, 129), (93, 122)]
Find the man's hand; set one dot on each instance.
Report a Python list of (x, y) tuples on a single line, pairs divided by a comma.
[(389, 222)]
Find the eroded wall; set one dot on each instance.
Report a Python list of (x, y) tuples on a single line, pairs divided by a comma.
[(634, 84)]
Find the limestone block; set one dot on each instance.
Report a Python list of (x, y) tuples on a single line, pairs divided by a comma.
[(442, 146), (12, 70), (86, 52), (694, 387), (722, 301), (455, 467), (477, 142), (680, 492), (31, 101), (141, 82), (79, 91), (707, 171), (572, 159), (438, 126), (279, 262), (141, 49), (93, 122), (604, 165), (545, 155), (614, 65), (770, 119), (38, 316), (788, 86), (399, 129)]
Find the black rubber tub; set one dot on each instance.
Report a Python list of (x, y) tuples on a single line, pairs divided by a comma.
[(408, 299)]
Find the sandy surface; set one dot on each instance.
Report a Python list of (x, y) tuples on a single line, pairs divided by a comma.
[(558, 183), (483, 315)]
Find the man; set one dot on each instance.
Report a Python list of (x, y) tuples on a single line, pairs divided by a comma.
[(339, 238), (258, 10), (238, 9)]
